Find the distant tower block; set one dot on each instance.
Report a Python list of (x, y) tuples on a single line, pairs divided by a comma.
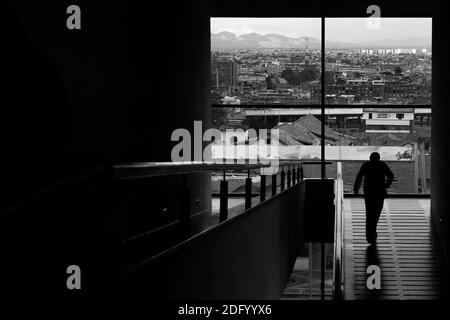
[(217, 77)]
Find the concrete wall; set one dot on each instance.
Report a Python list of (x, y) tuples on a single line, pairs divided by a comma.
[(126, 81)]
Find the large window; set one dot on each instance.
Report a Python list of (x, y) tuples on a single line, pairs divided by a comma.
[(265, 61), (377, 94), (384, 64), (403, 143)]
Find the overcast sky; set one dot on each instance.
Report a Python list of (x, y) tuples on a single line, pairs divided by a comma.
[(337, 29), (291, 27), (356, 30)]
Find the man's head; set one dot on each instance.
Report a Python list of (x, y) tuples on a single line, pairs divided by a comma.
[(374, 156)]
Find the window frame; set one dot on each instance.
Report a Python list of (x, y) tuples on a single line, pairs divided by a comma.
[(323, 105)]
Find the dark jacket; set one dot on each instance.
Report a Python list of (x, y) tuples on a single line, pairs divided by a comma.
[(377, 177)]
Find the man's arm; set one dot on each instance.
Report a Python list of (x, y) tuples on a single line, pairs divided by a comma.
[(389, 176), (358, 179)]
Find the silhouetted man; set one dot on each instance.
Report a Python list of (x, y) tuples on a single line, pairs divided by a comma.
[(377, 177)]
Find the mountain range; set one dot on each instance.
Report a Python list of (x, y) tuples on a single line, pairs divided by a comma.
[(228, 40)]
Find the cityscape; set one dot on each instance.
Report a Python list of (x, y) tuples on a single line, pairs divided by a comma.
[(379, 95), (276, 69)]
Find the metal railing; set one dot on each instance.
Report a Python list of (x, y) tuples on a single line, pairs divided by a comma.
[(338, 265), (289, 174)]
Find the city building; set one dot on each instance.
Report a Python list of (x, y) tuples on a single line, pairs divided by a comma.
[(388, 120), (224, 74)]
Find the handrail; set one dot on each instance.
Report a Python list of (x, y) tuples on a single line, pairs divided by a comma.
[(155, 169), (201, 235), (143, 170), (287, 162), (338, 265), (290, 173)]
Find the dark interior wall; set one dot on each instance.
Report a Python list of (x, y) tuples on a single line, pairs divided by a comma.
[(131, 76), (111, 92), (440, 157), (95, 70), (328, 8), (127, 79)]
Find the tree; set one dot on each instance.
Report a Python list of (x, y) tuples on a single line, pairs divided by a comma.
[(346, 61), (297, 78), (270, 83)]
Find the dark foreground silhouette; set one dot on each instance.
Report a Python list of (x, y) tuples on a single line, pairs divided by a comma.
[(377, 178), (35, 120)]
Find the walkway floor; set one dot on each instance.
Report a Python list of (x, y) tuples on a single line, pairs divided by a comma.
[(406, 252)]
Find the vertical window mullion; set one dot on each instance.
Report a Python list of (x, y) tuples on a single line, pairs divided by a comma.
[(322, 104)]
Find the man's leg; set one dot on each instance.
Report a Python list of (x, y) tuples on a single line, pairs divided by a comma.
[(371, 218), (378, 207)]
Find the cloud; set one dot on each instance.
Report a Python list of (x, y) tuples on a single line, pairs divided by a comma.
[(237, 31)]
